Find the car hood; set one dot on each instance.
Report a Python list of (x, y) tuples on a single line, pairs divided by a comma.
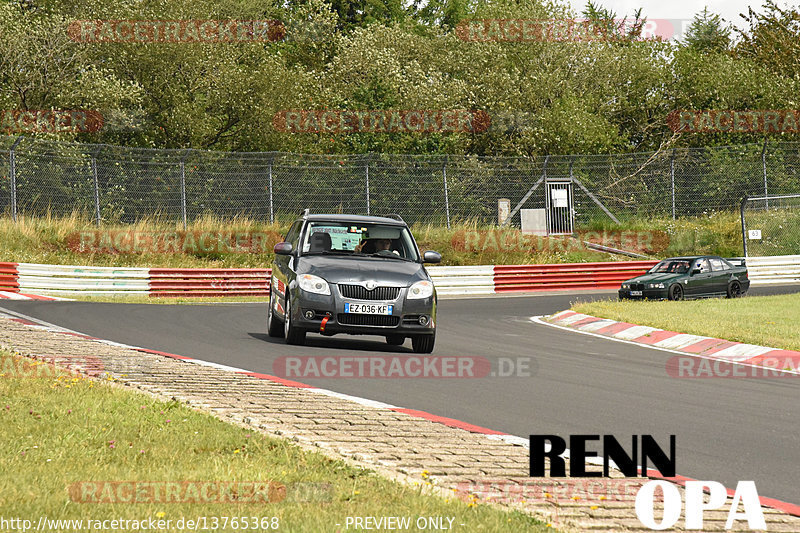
[(659, 277), (337, 269)]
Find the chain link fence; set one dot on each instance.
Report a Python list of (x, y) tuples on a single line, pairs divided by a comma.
[(771, 225), (122, 185)]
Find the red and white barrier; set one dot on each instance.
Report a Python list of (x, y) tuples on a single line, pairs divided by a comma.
[(9, 277), (174, 282), (527, 278), (65, 280)]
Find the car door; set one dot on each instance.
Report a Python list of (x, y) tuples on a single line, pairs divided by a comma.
[(283, 267), (721, 274), (701, 283)]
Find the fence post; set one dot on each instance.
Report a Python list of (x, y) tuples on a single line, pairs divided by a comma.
[(764, 167), (183, 188), (672, 179), (269, 173), (366, 174), (446, 196), (13, 175), (744, 226), (96, 187)]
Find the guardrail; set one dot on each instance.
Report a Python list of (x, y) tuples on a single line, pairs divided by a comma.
[(775, 269), (65, 280), (174, 282), (463, 279), (8, 277), (565, 276)]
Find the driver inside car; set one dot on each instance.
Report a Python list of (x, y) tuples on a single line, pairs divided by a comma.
[(371, 246)]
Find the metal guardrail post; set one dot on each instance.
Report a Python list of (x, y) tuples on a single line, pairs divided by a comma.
[(13, 175), (744, 226), (183, 188), (446, 197)]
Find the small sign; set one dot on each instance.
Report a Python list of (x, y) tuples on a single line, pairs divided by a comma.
[(559, 197), (754, 234)]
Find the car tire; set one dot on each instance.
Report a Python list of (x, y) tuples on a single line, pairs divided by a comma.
[(734, 289), (423, 343), (293, 334), (395, 340), (676, 292), (274, 326)]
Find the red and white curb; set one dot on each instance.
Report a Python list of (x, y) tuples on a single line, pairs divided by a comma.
[(490, 434), (7, 295), (672, 341)]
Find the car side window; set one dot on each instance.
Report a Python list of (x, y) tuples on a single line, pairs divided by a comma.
[(293, 236), (717, 265), (703, 265)]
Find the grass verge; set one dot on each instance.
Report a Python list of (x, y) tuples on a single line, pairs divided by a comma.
[(60, 429), (75, 240), (763, 320)]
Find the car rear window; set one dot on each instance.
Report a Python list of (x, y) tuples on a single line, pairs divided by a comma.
[(719, 264)]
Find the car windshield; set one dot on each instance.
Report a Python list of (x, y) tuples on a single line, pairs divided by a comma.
[(359, 239), (672, 266)]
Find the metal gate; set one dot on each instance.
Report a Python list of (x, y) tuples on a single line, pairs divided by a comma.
[(558, 207)]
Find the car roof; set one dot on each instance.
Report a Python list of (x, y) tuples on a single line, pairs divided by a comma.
[(692, 257), (358, 219)]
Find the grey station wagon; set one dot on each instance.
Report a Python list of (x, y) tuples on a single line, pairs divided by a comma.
[(352, 274)]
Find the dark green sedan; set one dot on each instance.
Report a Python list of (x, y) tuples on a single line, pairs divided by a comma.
[(679, 278)]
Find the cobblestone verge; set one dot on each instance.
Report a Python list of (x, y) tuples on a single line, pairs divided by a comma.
[(477, 467)]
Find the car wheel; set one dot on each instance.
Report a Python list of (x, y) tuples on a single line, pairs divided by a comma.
[(423, 343), (395, 340), (274, 326), (293, 334), (676, 292), (734, 289)]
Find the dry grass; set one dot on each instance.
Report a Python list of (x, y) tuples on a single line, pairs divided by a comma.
[(51, 240)]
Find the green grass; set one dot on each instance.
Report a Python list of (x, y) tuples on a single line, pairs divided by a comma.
[(61, 429), (763, 320)]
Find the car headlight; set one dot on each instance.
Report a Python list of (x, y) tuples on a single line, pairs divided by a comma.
[(655, 285), (421, 289), (626, 286), (314, 284)]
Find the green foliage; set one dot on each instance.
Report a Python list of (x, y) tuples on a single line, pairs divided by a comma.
[(602, 96), (773, 40), (708, 32)]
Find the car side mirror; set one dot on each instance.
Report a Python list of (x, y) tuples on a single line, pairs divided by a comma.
[(431, 257), (695, 271), (283, 248)]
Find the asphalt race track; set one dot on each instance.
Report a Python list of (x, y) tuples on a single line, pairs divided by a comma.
[(727, 429)]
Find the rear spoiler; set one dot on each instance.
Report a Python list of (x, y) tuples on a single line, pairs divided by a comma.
[(737, 261)]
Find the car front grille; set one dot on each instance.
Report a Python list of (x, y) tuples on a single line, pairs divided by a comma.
[(361, 293), (353, 319), (637, 286)]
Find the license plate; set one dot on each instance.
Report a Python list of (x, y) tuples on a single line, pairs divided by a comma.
[(636, 293), (368, 309)]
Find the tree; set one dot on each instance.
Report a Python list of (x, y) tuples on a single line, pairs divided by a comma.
[(773, 39), (708, 32)]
